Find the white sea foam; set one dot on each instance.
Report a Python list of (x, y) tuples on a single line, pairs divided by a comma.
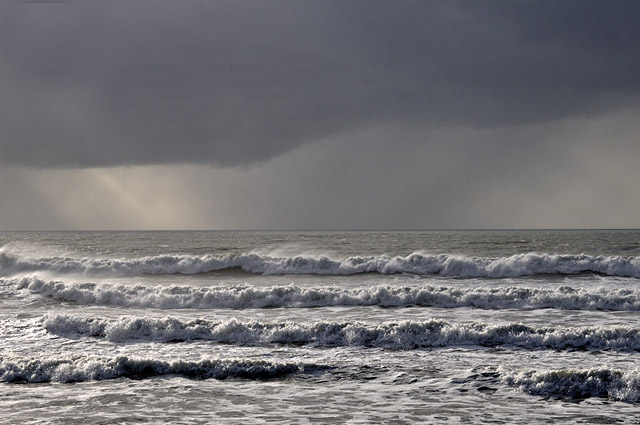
[(416, 263), (241, 297), (391, 335), (82, 368), (601, 382)]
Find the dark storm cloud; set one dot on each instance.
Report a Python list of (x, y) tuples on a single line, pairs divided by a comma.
[(230, 83)]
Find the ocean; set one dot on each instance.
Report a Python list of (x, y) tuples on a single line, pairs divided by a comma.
[(320, 327)]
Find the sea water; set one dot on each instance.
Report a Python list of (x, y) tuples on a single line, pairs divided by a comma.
[(320, 327)]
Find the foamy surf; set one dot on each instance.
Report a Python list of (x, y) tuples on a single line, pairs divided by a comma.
[(623, 385), (291, 296), (82, 368), (402, 335)]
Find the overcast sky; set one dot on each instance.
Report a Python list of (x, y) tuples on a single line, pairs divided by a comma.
[(319, 114)]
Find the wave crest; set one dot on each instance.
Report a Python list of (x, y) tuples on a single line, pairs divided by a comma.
[(80, 369), (401, 335), (415, 263), (561, 383), (242, 297)]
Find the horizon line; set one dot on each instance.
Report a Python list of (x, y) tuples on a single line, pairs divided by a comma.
[(450, 229)]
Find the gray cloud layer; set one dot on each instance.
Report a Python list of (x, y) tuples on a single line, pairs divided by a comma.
[(233, 82)]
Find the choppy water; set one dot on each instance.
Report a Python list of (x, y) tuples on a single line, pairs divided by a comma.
[(328, 327)]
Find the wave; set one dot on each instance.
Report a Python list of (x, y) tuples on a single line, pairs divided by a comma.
[(242, 297), (565, 383), (416, 263), (401, 335), (80, 369)]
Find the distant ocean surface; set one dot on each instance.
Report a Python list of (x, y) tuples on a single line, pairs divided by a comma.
[(320, 327)]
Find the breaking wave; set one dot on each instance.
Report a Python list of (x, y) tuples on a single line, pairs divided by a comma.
[(416, 263), (79, 369), (401, 335), (242, 296), (566, 383)]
